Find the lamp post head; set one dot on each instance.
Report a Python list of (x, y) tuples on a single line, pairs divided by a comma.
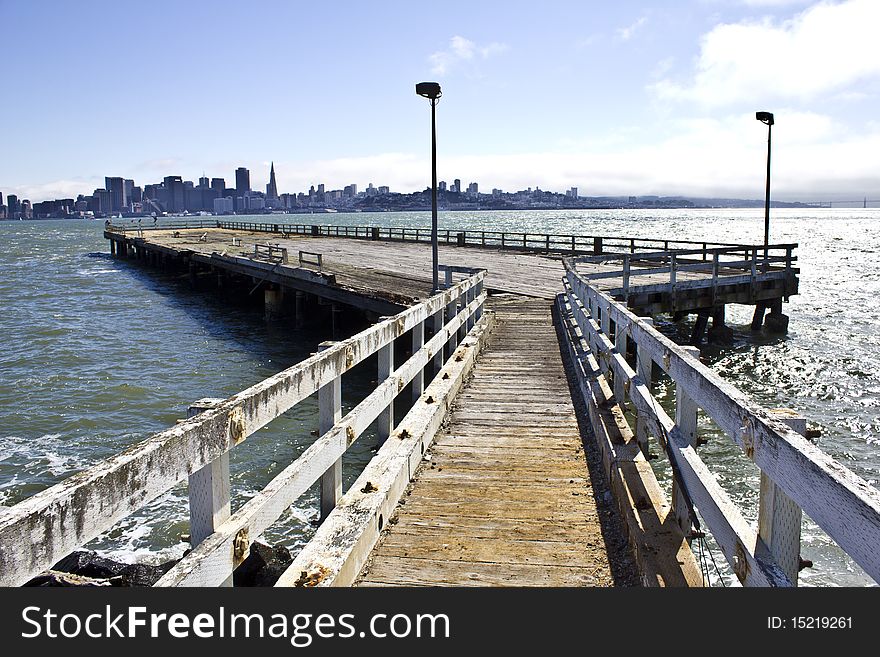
[(765, 117), (428, 90)]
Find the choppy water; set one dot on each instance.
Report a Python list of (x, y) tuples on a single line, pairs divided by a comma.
[(99, 354)]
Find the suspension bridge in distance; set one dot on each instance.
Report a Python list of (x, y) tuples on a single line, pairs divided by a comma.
[(864, 202)]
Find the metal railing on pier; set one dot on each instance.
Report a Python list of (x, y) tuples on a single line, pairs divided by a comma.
[(552, 243)]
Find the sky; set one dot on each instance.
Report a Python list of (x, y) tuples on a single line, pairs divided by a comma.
[(614, 98)]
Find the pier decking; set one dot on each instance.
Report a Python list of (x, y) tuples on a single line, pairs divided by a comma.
[(386, 271), (505, 496)]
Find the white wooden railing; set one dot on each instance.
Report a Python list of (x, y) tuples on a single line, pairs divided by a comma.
[(727, 265), (795, 475), (39, 531)]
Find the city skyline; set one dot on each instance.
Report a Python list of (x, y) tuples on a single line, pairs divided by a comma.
[(638, 98)]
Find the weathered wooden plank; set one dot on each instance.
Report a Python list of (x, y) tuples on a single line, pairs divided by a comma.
[(340, 546), (529, 467), (54, 522), (424, 572), (497, 527), (738, 542), (828, 492), (329, 413), (229, 545), (686, 420), (495, 550), (779, 518), (369, 266), (662, 554)]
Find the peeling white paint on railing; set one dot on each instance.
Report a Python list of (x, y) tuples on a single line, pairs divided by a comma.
[(843, 504), (39, 531)]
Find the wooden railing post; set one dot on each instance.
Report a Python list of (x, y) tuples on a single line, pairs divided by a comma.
[(626, 266), (686, 420), (208, 491), (461, 304), (418, 341), (714, 278), (451, 311), (478, 290), (329, 413), (620, 333), (385, 421), (779, 518), (437, 325), (644, 368)]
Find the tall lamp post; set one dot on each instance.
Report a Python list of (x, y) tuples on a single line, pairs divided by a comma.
[(767, 119), (431, 91)]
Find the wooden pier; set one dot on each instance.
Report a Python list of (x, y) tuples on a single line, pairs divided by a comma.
[(505, 496), (386, 269), (522, 457)]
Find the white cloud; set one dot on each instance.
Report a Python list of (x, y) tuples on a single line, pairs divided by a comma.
[(814, 156), (55, 189), (626, 33), (723, 156), (824, 49), (462, 50)]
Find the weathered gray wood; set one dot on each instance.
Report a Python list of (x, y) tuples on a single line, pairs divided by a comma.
[(54, 522), (437, 325), (827, 491), (209, 490), (621, 331), (545, 480), (663, 555), (208, 487), (204, 565), (739, 543), (686, 420), (418, 341), (385, 421), (779, 518), (340, 546), (329, 413), (644, 369)]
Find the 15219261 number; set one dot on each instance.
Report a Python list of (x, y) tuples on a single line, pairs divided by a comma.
[(809, 623)]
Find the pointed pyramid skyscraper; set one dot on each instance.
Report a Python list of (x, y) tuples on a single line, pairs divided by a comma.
[(272, 188)]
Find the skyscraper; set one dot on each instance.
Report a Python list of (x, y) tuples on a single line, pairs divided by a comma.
[(272, 188), (12, 201), (127, 187), (116, 187), (242, 180), (219, 186), (176, 194)]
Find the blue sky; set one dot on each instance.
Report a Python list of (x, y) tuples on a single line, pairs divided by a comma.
[(614, 98)]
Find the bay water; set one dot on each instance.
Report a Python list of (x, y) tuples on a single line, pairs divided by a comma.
[(99, 353)]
